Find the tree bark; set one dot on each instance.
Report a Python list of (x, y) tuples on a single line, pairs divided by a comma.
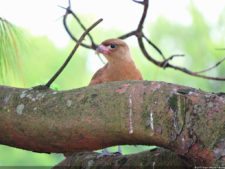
[(187, 121), (157, 158)]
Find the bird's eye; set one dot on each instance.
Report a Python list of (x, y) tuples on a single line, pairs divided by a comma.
[(112, 46)]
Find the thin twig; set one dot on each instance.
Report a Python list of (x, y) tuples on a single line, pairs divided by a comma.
[(69, 11), (127, 35), (139, 2), (69, 2), (101, 59), (48, 84), (184, 70), (70, 33), (143, 17), (154, 46), (145, 52), (93, 45), (220, 49), (166, 61), (212, 67)]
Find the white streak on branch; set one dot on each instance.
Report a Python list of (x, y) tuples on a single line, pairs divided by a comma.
[(19, 109), (131, 130), (151, 121)]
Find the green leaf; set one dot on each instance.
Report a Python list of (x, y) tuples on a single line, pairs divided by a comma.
[(10, 58)]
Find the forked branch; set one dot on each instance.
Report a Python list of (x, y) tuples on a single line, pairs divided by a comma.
[(48, 84), (141, 37)]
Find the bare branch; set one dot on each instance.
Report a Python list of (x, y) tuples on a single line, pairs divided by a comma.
[(164, 64), (93, 45), (212, 67), (154, 46), (168, 65), (143, 17), (48, 84), (166, 61), (68, 11), (146, 54), (140, 36), (220, 49), (127, 35), (140, 2), (69, 2), (184, 70)]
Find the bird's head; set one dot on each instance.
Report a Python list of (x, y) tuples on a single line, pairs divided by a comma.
[(114, 50)]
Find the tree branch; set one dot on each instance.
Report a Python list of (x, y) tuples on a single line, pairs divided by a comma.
[(69, 11), (157, 158), (212, 67), (140, 36), (175, 117), (48, 84)]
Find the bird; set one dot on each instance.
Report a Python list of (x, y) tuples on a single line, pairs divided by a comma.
[(120, 67), (120, 64)]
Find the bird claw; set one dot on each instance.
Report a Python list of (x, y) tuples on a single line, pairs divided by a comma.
[(106, 153), (102, 155), (117, 153)]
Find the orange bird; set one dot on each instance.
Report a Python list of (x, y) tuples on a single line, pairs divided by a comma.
[(120, 64), (120, 67)]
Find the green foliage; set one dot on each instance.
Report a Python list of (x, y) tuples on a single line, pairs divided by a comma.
[(127, 149), (10, 57), (43, 59), (17, 157)]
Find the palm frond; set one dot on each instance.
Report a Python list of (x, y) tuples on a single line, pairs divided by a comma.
[(10, 58)]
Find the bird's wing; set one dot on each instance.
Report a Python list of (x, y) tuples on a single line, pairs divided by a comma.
[(98, 76)]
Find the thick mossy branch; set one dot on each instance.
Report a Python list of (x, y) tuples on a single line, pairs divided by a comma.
[(157, 158), (187, 121)]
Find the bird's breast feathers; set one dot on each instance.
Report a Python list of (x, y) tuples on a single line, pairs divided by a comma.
[(116, 73)]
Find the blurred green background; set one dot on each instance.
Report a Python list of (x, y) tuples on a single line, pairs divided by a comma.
[(27, 60)]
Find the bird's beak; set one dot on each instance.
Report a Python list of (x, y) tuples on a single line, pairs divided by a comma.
[(102, 49)]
